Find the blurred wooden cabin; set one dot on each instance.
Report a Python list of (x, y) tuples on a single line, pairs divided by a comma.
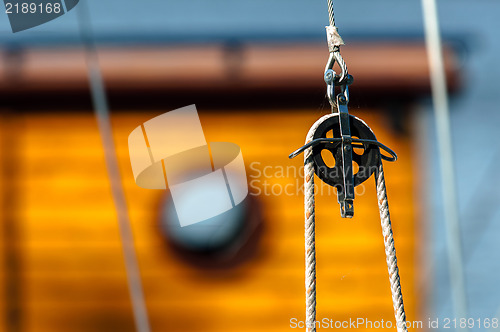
[(62, 266)]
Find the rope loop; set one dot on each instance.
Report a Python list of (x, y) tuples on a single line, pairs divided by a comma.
[(332, 79), (346, 144), (310, 234)]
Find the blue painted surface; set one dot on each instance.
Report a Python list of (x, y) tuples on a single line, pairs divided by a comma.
[(475, 115)]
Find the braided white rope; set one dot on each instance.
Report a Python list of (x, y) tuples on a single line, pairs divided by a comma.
[(310, 246), (310, 238), (390, 251), (310, 243)]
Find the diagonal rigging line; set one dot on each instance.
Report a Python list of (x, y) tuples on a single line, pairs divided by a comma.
[(442, 119), (101, 110), (486, 198), (483, 218)]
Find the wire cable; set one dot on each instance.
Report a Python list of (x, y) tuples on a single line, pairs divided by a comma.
[(101, 110), (445, 146), (331, 15)]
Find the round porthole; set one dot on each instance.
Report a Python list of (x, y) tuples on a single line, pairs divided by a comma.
[(221, 241)]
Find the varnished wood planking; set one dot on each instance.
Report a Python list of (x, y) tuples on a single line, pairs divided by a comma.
[(72, 257), (3, 244), (12, 281)]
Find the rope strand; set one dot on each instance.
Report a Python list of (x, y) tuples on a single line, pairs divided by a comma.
[(310, 239), (310, 246), (390, 250), (310, 231)]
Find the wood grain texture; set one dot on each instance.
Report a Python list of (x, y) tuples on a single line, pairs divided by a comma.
[(72, 271)]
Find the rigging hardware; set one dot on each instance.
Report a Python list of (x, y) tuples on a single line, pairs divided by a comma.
[(348, 132), (344, 126)]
